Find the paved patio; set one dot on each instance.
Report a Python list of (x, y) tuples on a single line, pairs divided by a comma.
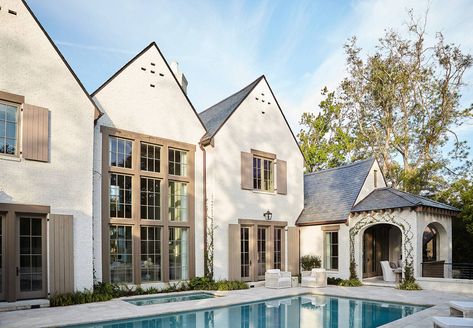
[(118, 309)]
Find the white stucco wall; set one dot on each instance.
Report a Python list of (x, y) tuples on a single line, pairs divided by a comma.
[(368, 185), (444, 246), (249, 129), (130, 103), (312, 243), (31, 67)]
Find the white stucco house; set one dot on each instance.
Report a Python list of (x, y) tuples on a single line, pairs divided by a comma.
[(253, 166), (46, 133), (351, 216), (131, 185)]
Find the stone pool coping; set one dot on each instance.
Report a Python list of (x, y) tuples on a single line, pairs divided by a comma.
[(118, 309)]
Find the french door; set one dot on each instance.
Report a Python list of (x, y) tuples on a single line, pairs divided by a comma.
[(261, 248)]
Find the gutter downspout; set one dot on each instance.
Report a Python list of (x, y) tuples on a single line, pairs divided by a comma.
[(204, 181)]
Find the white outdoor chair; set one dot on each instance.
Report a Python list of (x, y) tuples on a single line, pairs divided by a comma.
[(461, 309), (452, 322), (314, 278), (276, 278), (388, 272)]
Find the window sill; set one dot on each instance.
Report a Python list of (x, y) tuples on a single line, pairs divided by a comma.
[(12, 158), (264, 192)]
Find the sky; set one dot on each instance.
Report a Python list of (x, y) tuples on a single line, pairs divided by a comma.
[(222, 46)]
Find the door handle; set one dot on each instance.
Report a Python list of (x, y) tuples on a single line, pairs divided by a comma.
[(17, 271)]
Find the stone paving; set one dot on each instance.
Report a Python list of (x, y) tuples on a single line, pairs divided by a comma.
[(119, 309)]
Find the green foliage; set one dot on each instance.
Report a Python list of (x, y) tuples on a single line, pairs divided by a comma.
[(460, 195), (309, 262), (353, 275), (350, 283), (409, 282), (400, 104), (106, 291), (334, 281)]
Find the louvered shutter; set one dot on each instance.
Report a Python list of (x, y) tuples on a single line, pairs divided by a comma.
[(35, 141), (281, 175)]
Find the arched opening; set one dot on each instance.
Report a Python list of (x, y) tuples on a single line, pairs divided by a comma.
[(381, 242), (430, 244)]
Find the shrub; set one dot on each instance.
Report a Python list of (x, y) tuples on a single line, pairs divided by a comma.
[(350, 283), (334, 281), (409, 282), (309, 262), (106, 291)]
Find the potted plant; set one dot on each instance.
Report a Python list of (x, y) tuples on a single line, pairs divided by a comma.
[(309, 262)]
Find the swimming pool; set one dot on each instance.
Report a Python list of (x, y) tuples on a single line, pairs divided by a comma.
[(169, 299), (299, 311)]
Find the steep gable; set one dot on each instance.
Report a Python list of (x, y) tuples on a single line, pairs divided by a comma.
[(22, 35), (145, 96), (262, 98)]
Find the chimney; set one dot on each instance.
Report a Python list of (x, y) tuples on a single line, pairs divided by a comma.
[(181, 78)]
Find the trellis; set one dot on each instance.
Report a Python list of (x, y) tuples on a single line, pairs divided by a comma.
[(374, 218)]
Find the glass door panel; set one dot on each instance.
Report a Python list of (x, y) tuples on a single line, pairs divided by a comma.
[(245, 253), (2, 267), (31, 266), (261, 251)]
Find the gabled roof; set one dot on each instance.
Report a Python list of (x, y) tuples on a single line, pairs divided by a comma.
[(152, 44), (389, 198), (329, 195), (98, 113), (214, 117)]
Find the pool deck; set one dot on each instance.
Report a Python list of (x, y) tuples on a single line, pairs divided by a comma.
[(119, 309)]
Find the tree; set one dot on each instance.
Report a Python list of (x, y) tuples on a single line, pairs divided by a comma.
[(326, 142), (400, 105)]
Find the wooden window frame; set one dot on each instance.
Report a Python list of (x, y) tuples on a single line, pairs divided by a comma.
[(326, 233), (147, 204), (147, 157), (18, 126), (160, 249), (183, 165), (262, 170), (136, 222)]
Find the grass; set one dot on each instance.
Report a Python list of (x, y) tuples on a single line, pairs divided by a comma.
[(106, 291)]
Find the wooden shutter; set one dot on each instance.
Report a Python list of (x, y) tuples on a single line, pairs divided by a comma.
[(35, 139), (293, 250), (234, 256), (61, 254), (281, 176), (246, 171)]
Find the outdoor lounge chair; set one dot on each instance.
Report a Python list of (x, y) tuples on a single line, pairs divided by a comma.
[(452, 322), (461, 309), (276, 278), (388, 272), (314, 278)]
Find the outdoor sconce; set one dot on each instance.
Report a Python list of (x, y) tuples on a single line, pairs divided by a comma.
[(268, 215)]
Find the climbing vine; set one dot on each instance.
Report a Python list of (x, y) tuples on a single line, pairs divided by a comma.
[(374, 218)]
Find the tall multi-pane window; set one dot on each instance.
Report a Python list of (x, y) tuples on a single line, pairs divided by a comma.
[(178, 253), (150, 199), (263, 174), (277, 247), (177, 162), (120, 196), (120, 152), (245, 252), (8, 128), (150, 253), (121, 254), (150, 157), (178, 206), (331, 250)]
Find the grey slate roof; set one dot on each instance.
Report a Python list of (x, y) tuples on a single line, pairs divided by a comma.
[(386, 198), (329, 195), (214, 117)]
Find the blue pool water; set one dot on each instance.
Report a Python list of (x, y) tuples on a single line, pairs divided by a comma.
[(169, 299), (292, 312)]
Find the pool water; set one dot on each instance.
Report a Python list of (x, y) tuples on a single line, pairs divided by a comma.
[(169, 299), (292, 312)]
